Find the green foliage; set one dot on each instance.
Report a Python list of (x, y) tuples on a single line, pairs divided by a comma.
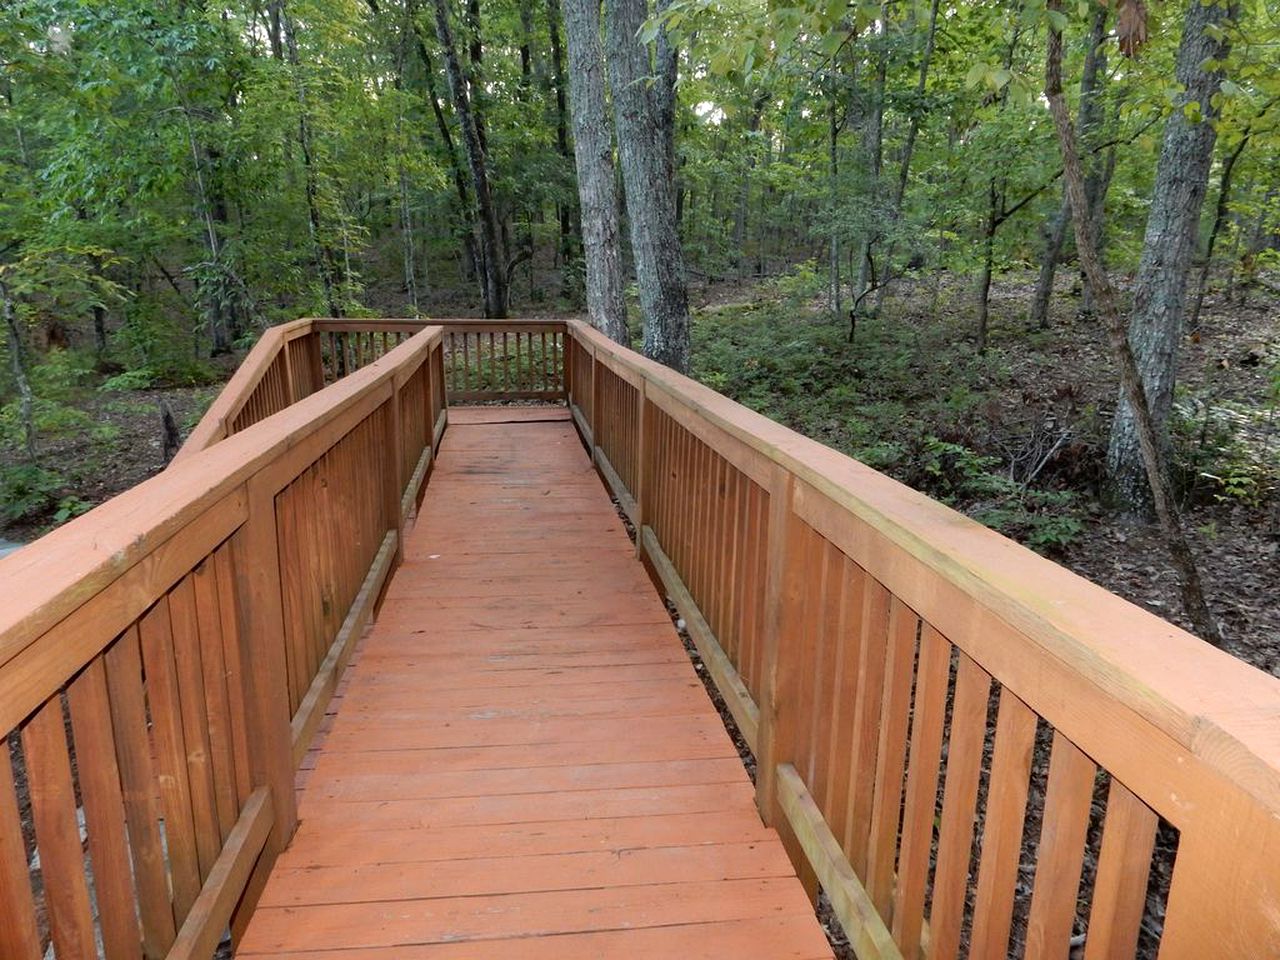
[(27, 492)]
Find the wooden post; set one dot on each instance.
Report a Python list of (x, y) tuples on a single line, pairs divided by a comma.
[(785, 576), (396, 479), (260, 611), (594, 419), (642, 453)]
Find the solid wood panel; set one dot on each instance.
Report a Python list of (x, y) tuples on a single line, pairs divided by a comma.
[(18, 936), (53, 810), (1060, 854), (1002, 827), (88, 699), (960, 795), (1120, 887), (929, 713)]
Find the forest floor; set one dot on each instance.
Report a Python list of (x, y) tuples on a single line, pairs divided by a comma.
[(1015, 438)]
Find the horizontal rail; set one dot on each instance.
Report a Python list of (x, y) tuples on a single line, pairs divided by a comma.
[(166, 658), (917, 687)]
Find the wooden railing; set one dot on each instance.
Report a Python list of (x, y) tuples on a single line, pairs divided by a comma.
[(165, 659), (482, 361), (974, 751)]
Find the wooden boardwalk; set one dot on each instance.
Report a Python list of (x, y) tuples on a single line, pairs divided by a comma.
[(523, 763)]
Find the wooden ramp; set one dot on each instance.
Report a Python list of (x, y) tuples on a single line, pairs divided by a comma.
[(523, 763)]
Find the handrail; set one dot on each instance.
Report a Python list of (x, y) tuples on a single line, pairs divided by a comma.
[(853, 625), (192, 631), (484, 361)]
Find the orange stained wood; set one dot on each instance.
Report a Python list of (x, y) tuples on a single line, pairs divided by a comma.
[(523, 762)]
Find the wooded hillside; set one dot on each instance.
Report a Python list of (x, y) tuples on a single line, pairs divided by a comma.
[(858, 199)]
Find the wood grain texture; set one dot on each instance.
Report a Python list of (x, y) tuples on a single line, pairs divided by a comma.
[(522, 750)]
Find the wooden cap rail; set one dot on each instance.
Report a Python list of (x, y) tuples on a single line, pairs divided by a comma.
[(165, 658), (921, 691)]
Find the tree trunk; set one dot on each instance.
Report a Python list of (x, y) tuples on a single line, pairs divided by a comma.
[(1131, 381), (466, 229), (873, 151), (566, 212), (492, 267), (643, 113), (908, 148), (326, 256), (741, 215), (593, 157), (833, 242), (1095, 61), (1160, 291), (18, 366), (1219, 218)]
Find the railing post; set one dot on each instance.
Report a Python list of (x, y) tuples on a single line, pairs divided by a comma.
[(594, 420), (396, 480), (260, 611), (785, 575), (641, 472)]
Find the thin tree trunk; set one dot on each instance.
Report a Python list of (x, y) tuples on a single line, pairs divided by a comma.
[(1056, 235), (565, 210), (1149, 440), (1160, 291), (18, 366), (492, 267), (326, 256), (1220, 214), (744, 185), (643, 114), (908, 149), (466, 228), (593, 157), (833, 242), (873, 150)]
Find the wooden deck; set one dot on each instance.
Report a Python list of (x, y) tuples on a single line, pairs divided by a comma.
[(522, 762)]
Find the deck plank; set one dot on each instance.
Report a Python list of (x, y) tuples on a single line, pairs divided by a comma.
[(522, 761)]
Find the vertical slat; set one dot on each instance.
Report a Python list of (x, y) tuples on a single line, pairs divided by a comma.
[(88, 701), (1060, 855), (873, 630), (138, 786), (209, 616), (195, 721), (1002, 827), (891, 755), (1120, 888), (18, 936), (814, 703), (234, 672), (53, 810), (922, 789), (960, 796), (171, 756)]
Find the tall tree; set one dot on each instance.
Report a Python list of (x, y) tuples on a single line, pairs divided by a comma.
[(593, 157), (1168, 248), (642, 98), (493, 269)]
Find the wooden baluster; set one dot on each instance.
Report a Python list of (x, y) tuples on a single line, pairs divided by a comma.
[(218, 708), (1120, 888), (1060, 855), (18, 936), (99, 776), (138, 787), (921, 790), (1002, 828), (171, 755), (960, 796), (873, 633), (53, 810)]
